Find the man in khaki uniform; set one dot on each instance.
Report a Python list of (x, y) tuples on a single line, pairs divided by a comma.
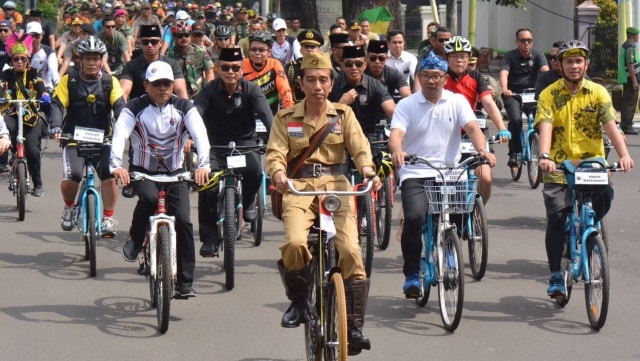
[(290, 133)]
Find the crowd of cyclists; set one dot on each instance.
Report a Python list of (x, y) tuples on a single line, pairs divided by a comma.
[(132, 67)]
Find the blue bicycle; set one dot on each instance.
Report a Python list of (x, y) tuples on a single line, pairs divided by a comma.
[(530, 142), (585, 256), (88, 201), (441, 264)]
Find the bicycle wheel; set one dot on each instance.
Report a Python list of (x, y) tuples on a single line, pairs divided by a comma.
[(164, 280), (21, 192), (258, 236), (91, 235), (312, 334), (336, 342), (365, 231), (603, 233), (516, 171), (478, 240), (596, 292), (533, 168), (152, 280), (451, 284), (384, 213), (230, 235), (425, 284)]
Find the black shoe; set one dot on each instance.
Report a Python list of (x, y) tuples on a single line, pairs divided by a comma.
[(183, 291), (250, 212), (294, 315), (4, 168), (358, 342), (130, 251), (208, 250), (37, 191), (513, 160), (630, 131)]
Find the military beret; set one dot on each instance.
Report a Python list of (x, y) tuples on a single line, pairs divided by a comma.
[(316, 61), (633, 31)]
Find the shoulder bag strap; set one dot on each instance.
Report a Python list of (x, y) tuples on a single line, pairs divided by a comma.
[(314, 143)]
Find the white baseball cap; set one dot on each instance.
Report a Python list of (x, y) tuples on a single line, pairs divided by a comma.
[(159, 70), (279, 24), (182, 15), (34, 27)]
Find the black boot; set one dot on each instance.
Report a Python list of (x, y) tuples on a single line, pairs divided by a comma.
[(357, 293), (296, 284)]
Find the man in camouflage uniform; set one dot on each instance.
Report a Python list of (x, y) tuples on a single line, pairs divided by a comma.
[(193, 60), (241, 26)]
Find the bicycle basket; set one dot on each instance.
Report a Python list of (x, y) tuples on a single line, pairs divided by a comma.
[(89, 150), (452, 196)]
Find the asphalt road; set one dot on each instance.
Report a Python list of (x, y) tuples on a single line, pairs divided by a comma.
[(51, 310)]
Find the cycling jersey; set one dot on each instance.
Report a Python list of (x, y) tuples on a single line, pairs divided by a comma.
[(272, 81), (471, 84)]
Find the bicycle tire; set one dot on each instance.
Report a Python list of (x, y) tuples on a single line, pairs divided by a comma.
[(478, 240), (258, 236), (164, 279), (451, 284), (533, 167), (384, 215), (312, 334), (21, 192), (596, 292), (230, 236), (366, 234), (603, 233), (91, 235), (152, 280), (425, 285), (567, 273), (336, 343), (516, 171)]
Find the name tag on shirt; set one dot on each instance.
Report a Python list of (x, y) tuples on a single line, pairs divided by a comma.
[(295, 130)]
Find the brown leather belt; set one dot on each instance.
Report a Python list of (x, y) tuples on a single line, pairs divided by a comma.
[(319, 170)]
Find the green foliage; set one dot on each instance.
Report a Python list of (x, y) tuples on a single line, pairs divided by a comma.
[(608, 15), (604, 48), (49, 8), (511, 3)]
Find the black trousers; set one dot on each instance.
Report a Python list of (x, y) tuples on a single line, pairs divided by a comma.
[(32, 145), (629, 104), (513, 106), (178, 205)]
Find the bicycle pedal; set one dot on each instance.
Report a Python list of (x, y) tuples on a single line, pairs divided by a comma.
[(412, 295)]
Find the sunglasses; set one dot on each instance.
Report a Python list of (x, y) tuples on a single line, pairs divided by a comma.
[(380, 58), (442, 40), (350, 64), (109, 26), (5, 30), (235, 68), (20, 59), (153, 42), (553, 57), (181, 36), (258, 50), (223, 38), (525, 41), (165, 83)]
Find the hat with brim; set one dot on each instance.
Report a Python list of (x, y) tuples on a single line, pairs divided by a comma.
[(633, 31), (5, 24), (351, 52), (310, 37), (198, 29), (35, 13), (150, 31), (159, 70), (354, 25), (77, 21), (230, 54), (34, 27), (88, 28)]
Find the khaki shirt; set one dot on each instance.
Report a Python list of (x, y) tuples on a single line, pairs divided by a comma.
[(291, 131)]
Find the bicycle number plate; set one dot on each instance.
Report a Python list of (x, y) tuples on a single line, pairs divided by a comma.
[(88, 135), (452, 175), (591, 178), (482, 121), (528, 98), (236, 161), (448, 190), (466, 147)]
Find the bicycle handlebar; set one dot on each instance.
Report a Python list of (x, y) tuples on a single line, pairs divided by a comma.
[(474, 159), (233, 148), (5, 100), (362, 192), (161, 178)]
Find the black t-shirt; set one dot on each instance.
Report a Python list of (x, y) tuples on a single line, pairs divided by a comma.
[(523, 72), (136, 70), (393, 80)]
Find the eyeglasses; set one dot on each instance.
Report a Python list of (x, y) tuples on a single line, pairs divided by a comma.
[(223, 38), (380, 58), (428, 77), (460, 56), (553, 57), (281, 30), (235, 68), (350, 64), (442, 40), (525, 41), (109, 26), (182, 36), (146, 42), (165, 83), (20, 59), (4, 30), (258, 50)]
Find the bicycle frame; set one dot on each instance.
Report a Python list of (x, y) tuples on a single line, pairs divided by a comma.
[(88, 187), (528, 107), (20, 157)]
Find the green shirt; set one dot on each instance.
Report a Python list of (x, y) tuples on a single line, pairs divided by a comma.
[(193, 64)]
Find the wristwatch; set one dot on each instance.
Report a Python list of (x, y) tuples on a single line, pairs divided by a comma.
[(544, 156)]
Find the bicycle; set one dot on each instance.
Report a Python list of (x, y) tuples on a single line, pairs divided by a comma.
[(586, 254), (159, 259), (88, 203), (325, 330), (450, 192), (365, 218), (19, 182), (383, 199), (230, 203), (530, 142)]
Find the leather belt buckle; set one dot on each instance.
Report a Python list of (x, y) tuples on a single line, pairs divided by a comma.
[(317, 170)]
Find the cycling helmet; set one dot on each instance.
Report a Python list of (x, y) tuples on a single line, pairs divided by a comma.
[(457, 44), (262, 36), (572, 48), (91, 45), (271, 16), (180, 27), (9, 5), (222, 31)]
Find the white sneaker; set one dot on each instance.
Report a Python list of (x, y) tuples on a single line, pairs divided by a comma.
[(108, 227), (68, 220)]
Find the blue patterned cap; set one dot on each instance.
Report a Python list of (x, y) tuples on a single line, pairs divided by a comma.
[(433, 61)]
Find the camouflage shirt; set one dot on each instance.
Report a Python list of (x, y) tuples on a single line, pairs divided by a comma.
[(193, 65)]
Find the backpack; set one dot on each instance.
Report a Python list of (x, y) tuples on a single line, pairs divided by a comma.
[(107, 86)]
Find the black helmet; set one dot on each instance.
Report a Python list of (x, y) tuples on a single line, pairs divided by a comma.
[(263, 36)]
